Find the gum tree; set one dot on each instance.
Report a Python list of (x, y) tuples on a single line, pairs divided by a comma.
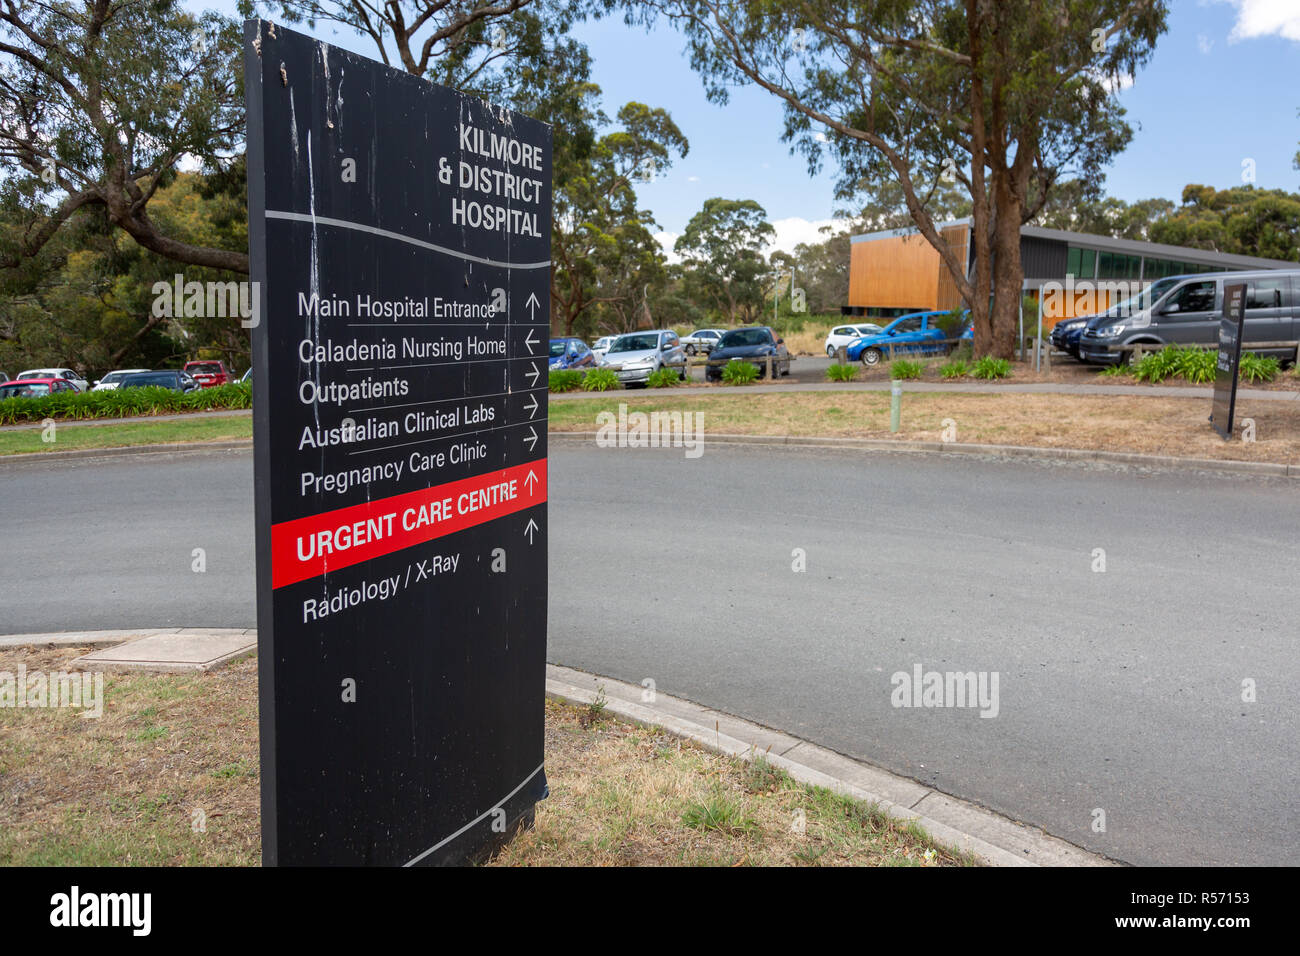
[(1004, 97), (722, 248), (100, 101)]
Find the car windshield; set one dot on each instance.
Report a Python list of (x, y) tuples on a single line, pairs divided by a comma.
[(1143, 300), (203, 368), (33, 390), (636, 343), (164, 379), (557, 347), (112, 377), (38, 374), (737, 337)]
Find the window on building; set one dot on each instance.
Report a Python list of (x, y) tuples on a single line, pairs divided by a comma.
[(1081, 263)]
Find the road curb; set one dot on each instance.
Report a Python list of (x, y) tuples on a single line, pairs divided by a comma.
[(994, 839), (159, 449), (1009, 451)]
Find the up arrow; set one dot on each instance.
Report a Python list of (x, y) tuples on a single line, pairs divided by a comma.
[(534, 373), (531, 439), (532, 304), (530, 482), (530, 341), (532, 409), (530, 529)]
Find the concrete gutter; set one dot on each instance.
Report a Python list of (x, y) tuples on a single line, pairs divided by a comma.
[(1006, 451), (994, 839)]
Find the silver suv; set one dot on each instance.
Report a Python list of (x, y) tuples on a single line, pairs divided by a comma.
[(636, 356)]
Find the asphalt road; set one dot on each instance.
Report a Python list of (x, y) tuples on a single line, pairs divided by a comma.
[(1118, 691)]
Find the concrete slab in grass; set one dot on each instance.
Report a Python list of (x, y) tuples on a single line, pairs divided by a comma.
[(186, 649)]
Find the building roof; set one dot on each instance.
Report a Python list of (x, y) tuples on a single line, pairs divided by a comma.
[(1137, 247)]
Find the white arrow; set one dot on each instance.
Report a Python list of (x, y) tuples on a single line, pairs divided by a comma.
[(531, 439), (532, 409), (530, 481), (530, 341), (532, 304), (534, 373), (530, 528)]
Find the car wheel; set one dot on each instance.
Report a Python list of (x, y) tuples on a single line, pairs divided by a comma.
[(871, 357), (830, 351), (690, 350)]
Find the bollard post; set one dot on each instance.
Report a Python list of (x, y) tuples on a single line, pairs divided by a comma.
[(895, 403), (769, 367), (842, 355)]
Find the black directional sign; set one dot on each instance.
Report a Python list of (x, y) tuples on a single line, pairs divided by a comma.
[(1232, 326), (400, 234)]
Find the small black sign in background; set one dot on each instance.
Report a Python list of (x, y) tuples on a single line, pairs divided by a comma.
[(400, 233), (1232, 327)]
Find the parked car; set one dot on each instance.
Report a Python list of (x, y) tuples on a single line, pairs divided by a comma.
[(916, 334), (702, 340), (111, 380), (602, 346), (570, 353), (248, 375), (67, 374), (636, 356), (753, 343), (179, 381), (843, 335), (1185, 310), (209, 374), (1065, 335), (35, 387)]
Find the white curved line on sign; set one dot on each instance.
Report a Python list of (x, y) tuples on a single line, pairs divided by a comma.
[(387, 234)]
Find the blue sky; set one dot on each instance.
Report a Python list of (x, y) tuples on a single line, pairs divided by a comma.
[(1222, 87)]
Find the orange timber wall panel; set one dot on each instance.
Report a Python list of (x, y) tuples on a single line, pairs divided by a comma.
[(896, 272), (957, 238)]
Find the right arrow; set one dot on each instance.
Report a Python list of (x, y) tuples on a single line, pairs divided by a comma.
[(532, 409), (531, 439)]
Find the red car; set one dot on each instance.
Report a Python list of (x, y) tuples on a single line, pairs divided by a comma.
[(35, 387), (209, 374)]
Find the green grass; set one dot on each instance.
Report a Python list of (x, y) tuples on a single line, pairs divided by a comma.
[(73, 437), (958, 368), (719, 814), (663, 378)]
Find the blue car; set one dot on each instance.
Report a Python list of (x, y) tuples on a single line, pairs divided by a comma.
[(1065, 335), (916, 334), (570, 353)]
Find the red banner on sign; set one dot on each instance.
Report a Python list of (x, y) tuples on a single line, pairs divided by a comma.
[(308, 547)]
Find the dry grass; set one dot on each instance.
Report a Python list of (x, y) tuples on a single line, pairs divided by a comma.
[(122, 789), (20, 441), (1142, 424), (628, 795)]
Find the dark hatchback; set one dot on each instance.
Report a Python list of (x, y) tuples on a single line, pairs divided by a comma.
[(752, 343), (168, 378), (1065, 335)]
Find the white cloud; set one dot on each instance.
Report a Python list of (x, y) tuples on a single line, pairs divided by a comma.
[(692, 179), (789, 233), (1262, 18), (1204, 43)]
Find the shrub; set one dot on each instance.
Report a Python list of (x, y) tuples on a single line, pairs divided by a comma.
[(962, 352), (905, 368), (600, 380), (841, 373), (1255, 368), (737, 372), (955, 369), (663, 378), (124, 403), (1157, 366), (565, 380), (990, 368), (1196, 365), (1115, 371)]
